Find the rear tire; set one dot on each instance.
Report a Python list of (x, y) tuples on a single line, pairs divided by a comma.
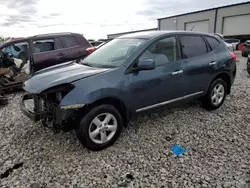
[(216, 95), (100, 127)]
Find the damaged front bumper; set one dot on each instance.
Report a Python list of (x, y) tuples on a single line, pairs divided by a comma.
[(55, 116), (35, 115)]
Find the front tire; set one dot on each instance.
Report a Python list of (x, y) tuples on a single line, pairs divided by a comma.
[(100, 127), (216, 95)]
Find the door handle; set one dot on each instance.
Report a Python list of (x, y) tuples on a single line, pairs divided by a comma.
[(177, 72), (213, 63), (61, 54)]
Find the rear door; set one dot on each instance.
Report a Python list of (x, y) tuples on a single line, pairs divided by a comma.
[(72, 48), (199, 63), (46, 52)]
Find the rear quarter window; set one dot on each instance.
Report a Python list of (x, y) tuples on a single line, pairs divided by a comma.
[(69, 41), (213, 43)]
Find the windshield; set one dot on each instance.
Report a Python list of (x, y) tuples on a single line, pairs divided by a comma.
[(114, 53)]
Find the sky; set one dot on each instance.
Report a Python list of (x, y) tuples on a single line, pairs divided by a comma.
[(92, 18)]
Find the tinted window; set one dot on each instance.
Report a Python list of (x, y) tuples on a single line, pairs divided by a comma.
[(192, 46), (44, 45), (212, 42), (58, 44), (69, 41), (163, 51)]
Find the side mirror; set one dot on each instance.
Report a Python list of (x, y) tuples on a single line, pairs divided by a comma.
[(147, 64)]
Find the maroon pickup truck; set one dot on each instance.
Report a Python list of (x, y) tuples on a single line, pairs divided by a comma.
[(48, 49)]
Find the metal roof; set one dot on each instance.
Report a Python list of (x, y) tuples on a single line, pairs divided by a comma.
[(194, 12), (35, 36), (52, 34)]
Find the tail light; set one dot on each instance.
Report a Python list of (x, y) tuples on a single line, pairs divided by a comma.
[(91, 50), (233, 56)]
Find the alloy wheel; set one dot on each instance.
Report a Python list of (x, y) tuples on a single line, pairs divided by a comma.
[(218, 94), (103, 128)]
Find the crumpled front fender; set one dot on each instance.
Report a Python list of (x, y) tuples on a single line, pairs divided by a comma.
[(78, 99), (87, 91)]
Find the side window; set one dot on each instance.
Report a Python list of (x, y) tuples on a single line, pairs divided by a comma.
[(162, 52), (58, 44), (44, 45), (18, 50), (212, 42), (192, 46), (69, 41)]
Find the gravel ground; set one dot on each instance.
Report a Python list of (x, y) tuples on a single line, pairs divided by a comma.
[(217, 143)]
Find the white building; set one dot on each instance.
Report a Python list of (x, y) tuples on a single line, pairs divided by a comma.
[(231, 20)]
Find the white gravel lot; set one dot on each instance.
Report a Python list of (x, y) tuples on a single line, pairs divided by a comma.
[(217, 143)]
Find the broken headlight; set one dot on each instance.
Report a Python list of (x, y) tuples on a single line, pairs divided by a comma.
[(58, 92)]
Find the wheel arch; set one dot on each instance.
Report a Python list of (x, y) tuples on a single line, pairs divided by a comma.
[(117, 103), (226, 78)]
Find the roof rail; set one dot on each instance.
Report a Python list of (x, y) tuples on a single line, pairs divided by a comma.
[(52, 34), (219, 35)]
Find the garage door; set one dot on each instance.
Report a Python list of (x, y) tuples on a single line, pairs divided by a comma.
[(201, 26), (236, 25)]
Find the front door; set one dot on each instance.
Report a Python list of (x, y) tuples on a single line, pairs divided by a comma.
[(153, 88), (46, 53)]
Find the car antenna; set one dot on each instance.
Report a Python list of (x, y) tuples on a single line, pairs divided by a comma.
[(192, 28)]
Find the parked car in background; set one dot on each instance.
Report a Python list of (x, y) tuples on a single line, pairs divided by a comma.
[(94, 48), (234, 42), (96, 43), (48, 49), (131, 74), (100, 45), (246, 49), (229, 45), (248, 64)]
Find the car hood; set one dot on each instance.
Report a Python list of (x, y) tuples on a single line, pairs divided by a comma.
[(57, 75)]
